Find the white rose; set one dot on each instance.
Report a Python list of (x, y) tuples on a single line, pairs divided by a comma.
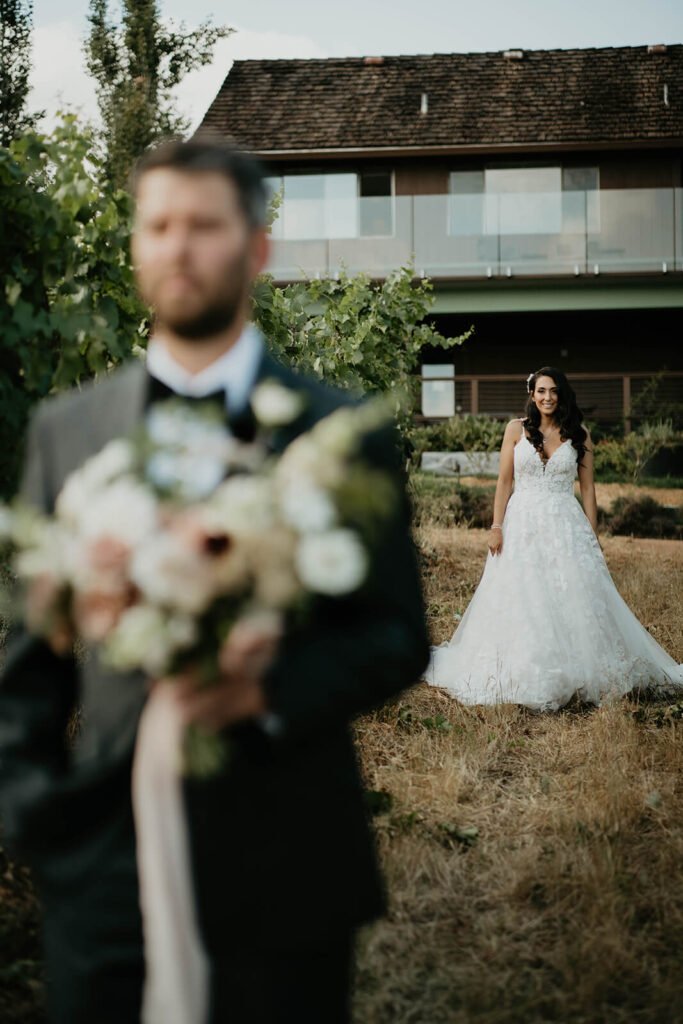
[(115, 459), (305, 457), (171, 573), (306, 507), (177, 425), (243, 504), (51, 553), (145, 638), (191, 476), (332, 563), (124, 510), (274, 404)]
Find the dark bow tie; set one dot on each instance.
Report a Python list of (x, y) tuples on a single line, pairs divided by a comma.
[(242, 425), (157, 391)]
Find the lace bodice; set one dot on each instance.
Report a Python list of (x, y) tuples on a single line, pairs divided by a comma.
[(555, 476)]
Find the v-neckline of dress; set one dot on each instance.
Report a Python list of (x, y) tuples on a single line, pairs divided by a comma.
[(544, 462)]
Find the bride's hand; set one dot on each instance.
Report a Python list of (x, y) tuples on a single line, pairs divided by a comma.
[(495, 541)]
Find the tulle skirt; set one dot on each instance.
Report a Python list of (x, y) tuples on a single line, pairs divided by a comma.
[(546, 622)]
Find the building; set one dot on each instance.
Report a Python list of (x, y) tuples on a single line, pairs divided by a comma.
[(541, 191)]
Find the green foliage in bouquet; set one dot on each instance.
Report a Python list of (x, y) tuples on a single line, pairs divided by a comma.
[(69, 305)]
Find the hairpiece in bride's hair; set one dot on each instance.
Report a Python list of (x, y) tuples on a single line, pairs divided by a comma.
[(528, 382)]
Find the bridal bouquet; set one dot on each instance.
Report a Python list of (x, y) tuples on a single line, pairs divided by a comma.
[(162, 542)]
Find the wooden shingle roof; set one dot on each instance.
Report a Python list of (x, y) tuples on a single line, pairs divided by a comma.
[(620, 95)]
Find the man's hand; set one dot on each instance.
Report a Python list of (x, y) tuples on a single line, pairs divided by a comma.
[(238, 694)]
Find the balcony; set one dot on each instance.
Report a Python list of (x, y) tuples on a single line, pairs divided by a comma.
[(499, 235)]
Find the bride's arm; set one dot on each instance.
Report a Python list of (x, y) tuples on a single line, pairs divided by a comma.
[(504, 485), (587, 486)]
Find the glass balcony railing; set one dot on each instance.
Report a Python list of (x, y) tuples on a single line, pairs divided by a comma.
[(492, 235)]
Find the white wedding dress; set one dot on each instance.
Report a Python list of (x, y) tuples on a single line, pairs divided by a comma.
[(546, 621)]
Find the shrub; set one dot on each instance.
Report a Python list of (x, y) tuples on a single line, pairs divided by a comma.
[(643, 517), (443, 502), (629, 456), (612, 457), (460, 434)]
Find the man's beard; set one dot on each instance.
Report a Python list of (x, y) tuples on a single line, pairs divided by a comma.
[(219, 312), (208, 322)]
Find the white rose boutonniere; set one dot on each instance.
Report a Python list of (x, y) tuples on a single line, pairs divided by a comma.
[(275, 405)]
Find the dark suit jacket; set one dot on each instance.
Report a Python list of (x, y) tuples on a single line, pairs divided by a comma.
[(281, 847)]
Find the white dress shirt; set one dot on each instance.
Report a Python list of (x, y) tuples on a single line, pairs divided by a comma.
[(235, 371)]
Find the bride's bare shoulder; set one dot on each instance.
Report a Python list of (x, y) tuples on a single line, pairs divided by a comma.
[(514, 431)]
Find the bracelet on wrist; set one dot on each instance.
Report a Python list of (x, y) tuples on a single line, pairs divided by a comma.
[(496, 526)]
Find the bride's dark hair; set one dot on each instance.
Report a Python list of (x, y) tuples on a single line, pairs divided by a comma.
[(568, 414)]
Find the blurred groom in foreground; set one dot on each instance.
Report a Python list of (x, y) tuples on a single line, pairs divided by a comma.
[(283, 866)]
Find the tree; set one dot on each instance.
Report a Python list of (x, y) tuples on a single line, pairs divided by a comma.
[(70, 308), (354, 333), (15, 66), (136, 64)]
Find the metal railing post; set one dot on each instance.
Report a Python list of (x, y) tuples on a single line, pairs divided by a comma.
[(626, 403), (474, 396)]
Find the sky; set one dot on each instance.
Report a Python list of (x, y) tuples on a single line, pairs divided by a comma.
[(319, 28)]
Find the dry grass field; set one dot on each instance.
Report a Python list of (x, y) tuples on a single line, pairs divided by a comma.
[(534, 863)]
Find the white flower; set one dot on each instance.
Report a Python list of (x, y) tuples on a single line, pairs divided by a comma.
[(305, 457), (146, 638), (50, 552), (306, 507), (115, 459), (243, 504), (274, 404), (124, 510), (180, 425), (332, 563), (191, 476), (171, 573)]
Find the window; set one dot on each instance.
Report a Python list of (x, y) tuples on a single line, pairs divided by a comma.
[(438, 396), (376, 203), (522, 200), (343, 205)]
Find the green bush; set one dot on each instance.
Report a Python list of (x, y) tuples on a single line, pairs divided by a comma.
[(643, 517), (627, 457), (70, 308), (443, 502), (466, 433), (353, 332), (612, 457)]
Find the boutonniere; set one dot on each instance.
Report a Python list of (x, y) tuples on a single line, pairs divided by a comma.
[(275, 405)]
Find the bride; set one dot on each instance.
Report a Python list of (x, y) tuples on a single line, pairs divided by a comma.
[(546, 622)]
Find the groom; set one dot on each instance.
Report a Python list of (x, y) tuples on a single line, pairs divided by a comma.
[(283, 864)]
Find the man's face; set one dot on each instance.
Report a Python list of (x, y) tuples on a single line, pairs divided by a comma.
[(194, 250)]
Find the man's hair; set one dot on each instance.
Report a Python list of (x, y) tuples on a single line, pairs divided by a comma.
[(207, 153)]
